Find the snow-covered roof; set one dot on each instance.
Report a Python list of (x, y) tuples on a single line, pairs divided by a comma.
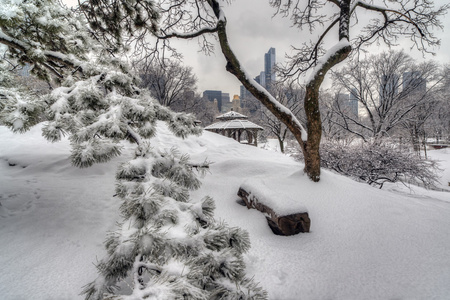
[(231, 115), (233, 124)]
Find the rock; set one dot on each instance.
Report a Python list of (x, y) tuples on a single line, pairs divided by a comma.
[(280, 225)]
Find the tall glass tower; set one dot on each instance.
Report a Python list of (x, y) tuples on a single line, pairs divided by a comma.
[(269, 67)]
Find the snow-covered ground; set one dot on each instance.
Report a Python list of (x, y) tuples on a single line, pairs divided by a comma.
[(364, 243)]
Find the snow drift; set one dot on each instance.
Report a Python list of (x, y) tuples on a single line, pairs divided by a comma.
[(364, 243)]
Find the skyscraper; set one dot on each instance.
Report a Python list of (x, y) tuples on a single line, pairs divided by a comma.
[(353, 102), (389, 87), (214, 95), (414, 82), (265, 79), (269, 67), (348, 103)]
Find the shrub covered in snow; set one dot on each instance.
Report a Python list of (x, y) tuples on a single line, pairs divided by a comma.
[(377, 163)]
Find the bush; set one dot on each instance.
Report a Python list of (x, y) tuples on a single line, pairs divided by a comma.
[(377, 163)]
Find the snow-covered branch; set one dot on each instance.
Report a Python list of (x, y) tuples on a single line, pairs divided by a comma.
[(189, 35)]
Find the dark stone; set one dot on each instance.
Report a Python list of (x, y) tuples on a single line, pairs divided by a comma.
[(280, 225)]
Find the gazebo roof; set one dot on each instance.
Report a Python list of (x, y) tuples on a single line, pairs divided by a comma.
[(231, 115), (233, 124)]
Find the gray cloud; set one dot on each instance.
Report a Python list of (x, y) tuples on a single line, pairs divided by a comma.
[(252, 31)]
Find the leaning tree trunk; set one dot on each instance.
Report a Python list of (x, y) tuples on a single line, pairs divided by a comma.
[(310, 144), (311, 103)]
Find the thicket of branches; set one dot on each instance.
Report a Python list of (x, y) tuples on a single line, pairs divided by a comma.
[(377, 163), (187, 19), (391, 91)]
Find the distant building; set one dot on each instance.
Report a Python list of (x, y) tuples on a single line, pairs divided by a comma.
[(348, 103), (262, 79), (226, 106), (214, 96), (236, 103), (225, 97), (415, 82), (389, 87), (269, 67), (265, 78), (353, 102), (243, 91)]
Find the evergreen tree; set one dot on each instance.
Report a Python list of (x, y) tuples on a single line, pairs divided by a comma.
[(19, 109), (167, 246)]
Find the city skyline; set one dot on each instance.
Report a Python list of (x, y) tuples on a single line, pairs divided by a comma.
[(252, 32)]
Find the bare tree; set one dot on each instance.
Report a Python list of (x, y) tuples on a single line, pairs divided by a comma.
[(391, 91), (174, 85), (204, 110), (291, 96), (438, 125), (414, 19), (168, 81), (332, 127)]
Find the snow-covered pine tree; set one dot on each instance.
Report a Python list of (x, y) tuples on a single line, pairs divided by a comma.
[(172, 245), (168, 246), (19, 108)]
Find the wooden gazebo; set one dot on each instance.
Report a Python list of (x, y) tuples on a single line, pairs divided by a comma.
[(235, 125)]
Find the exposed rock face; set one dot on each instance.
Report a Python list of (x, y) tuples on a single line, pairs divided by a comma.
[(280, 225)]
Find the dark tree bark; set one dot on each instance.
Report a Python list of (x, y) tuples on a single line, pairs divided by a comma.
[(414, 19), (309, 144)]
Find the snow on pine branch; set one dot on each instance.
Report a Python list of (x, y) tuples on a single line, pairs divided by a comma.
[(168, 244), (19, 110)]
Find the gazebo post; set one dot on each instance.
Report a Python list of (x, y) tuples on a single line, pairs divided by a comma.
[(256, 137), (250, 137)]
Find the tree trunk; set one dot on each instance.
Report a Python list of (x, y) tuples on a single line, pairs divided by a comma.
[(281, 142), (310, 147), (314, 127)]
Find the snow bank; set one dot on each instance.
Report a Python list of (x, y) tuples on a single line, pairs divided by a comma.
[(364, 243)]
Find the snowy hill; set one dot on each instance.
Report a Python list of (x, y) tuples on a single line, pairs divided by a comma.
[(364, 243)]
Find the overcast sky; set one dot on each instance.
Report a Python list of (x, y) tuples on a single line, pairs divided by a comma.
[(252, 31)]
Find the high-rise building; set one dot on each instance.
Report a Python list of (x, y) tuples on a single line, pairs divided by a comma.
[(348, 103), (262, 79), (389, 87), (225, 97), (353, 102), (414, 82), (236, 103), (265, 79), (243, 91), (214, 96), (226, 103), (269, 67)]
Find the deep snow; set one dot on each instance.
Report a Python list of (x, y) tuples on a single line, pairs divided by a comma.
[(364, 243)]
